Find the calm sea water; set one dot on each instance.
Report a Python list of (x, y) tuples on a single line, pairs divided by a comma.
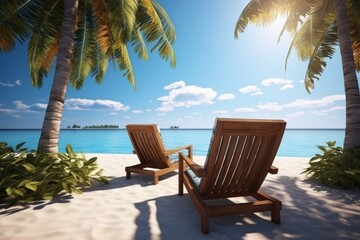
[(295, 143)]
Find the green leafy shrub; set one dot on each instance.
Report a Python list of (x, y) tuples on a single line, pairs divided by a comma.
[(27, 176), (336, 167)]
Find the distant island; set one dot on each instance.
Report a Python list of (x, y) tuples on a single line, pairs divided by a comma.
[(106, 126)]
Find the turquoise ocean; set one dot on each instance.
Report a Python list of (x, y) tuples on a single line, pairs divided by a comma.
[(295, 143)]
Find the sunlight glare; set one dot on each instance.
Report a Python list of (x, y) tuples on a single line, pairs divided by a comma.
[(267, 36)]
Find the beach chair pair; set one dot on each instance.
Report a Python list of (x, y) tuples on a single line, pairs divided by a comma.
[(240, 155)]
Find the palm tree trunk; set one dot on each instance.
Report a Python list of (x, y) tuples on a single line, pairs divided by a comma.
[(49, 137), (352, 131)]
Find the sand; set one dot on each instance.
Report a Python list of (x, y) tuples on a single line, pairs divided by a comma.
[(137, 209)]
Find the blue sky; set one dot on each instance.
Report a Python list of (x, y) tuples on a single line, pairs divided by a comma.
[(215, 76)]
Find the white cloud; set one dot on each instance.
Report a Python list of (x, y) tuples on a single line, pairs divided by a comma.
[(40, 105), (276, 81), (87, 104), (8, 111), (185, 96), (220, 111), (295, 114), (323, 102), (137, 111), (285, 84), (303, 103), (20, 105), (251, 89), (325, 111), (245, 110), (175, 85), (16, 83), (270, 106), (226, 96)]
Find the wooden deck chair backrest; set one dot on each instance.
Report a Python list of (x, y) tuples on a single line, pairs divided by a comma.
[(148, 145), (240, 155)]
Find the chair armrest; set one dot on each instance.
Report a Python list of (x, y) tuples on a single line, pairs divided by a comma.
[(178, 149), (196, 168), (273, 170)]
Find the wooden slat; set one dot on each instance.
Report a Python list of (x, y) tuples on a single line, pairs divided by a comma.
[(236, 165)]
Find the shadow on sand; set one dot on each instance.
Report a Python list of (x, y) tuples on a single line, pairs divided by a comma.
[(332, 215), (7, 208)]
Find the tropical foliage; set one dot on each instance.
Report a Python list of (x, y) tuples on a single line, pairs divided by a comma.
[(334, 167), (312, 25), (26, 176), (83, 35), (104, 30)]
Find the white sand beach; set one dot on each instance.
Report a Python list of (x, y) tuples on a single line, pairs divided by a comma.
[(137, 209)]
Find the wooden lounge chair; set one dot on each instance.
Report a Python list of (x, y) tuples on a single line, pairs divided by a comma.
[(240, 155), (155, 160)]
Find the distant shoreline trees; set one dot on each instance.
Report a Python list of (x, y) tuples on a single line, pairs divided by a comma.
[(106, 126)]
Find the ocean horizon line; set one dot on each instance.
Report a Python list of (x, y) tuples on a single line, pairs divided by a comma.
[(296, 142), (175, 129)]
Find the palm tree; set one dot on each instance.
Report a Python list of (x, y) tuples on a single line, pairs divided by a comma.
[(352, 131), (83, 35), (317, 27)]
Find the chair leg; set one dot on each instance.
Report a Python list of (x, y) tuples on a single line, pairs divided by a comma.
[(128, 174), (181, 176), (156, 180), (275, 213), (204, 224), (181, 188)]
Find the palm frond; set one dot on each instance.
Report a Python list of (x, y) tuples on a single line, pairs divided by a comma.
[(139, 45), (16, 22), (41, 62), (103, 25), (295, 12), (124, 61), (302, 43), (151, 21), (307, 36), (166, 51), (148, 21), (44, 42), (251, 9), (100, 65), (165, 21), (84, 56), (354, 21), (123, 17), (128, 18), (317, 63)]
